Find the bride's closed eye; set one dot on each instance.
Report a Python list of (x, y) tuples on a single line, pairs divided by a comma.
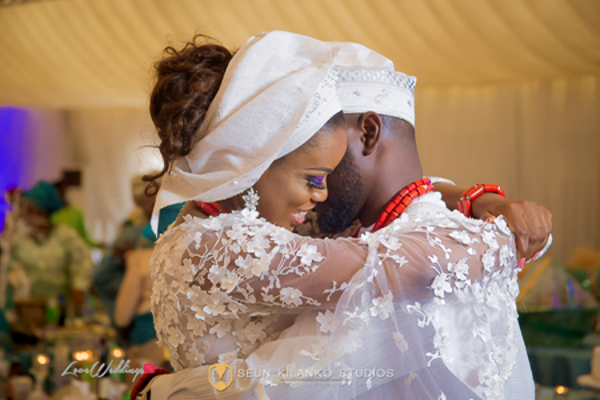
[(318, 182)]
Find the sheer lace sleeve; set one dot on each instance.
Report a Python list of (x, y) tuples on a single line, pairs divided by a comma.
[(266, 265), (240, 280), (251, 261)]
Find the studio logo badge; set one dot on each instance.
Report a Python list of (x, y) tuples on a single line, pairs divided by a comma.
[(218, 376)]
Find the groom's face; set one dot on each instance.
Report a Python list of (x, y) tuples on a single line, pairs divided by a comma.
[(345, 196)]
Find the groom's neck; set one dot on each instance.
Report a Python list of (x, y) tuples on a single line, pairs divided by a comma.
[(397, 168)]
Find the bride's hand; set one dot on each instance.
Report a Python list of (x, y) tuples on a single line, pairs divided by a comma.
[(531, 223)]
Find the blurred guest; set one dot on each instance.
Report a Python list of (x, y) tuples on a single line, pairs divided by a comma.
[(70, 215), (108, 274), (53, 257), (132, 309)]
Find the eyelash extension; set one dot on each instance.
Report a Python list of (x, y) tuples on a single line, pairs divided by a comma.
[(316, 181)]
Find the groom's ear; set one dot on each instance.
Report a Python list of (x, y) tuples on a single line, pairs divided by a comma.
[(371, 127)]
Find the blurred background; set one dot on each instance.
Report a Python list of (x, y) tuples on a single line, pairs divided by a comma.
[(508, 92)]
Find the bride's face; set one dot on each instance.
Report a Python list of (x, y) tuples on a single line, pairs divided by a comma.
[(290, 188)]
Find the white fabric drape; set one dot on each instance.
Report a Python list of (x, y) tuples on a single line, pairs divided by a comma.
[(539, 140), (110, 144)]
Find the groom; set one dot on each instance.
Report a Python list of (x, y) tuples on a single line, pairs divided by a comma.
[(382, 156), (382, 159)]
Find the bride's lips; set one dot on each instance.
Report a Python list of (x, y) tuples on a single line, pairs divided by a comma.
[(298, 217)]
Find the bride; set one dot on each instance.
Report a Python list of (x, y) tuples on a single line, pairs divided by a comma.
[(423, 308)]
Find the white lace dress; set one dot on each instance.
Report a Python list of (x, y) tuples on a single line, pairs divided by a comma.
[(423, 309)]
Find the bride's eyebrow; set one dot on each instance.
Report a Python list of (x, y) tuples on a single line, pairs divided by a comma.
[(327, 170)]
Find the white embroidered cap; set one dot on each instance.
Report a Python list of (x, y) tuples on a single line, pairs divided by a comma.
[(368, 82), (277, 92)]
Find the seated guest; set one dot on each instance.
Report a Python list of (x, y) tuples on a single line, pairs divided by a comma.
[(69, 214), (136, 233), (53, 256), (108, 274)]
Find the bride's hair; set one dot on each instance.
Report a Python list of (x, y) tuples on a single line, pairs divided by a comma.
[(187, 83)]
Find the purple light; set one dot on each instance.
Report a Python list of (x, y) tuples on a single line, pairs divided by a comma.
[(13, 143)]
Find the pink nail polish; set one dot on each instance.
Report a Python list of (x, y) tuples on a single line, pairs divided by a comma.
[(535, 257), (521, 263), (489, 220)]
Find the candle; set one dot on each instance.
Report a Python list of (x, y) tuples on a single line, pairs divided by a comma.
[(41, 360), (39, 370), (85, 355), (561, 393), (117, 353), (82, 355), (40, 367)]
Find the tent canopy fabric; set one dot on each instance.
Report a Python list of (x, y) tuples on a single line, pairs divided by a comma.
[(78, 53)]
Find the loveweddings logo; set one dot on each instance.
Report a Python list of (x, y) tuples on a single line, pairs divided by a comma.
[(100, 369)]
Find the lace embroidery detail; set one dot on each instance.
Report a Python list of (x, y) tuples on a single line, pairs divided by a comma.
[(220, 288), (390, 78)]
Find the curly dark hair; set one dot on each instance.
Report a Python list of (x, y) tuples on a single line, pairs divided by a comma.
[(187, 82)]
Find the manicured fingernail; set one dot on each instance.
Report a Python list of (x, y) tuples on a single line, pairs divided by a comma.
[(521, 263), (535, 257), (489, 220)]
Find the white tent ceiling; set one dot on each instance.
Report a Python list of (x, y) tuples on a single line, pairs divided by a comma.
[(87, 53)]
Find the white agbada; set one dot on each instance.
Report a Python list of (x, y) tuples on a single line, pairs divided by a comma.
[(422, 309)]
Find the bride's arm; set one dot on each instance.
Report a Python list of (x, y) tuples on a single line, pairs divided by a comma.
[(265, 264), (258, 263), (531, 223)]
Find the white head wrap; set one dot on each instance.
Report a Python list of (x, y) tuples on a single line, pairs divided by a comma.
[(368, 82), (277, 92)]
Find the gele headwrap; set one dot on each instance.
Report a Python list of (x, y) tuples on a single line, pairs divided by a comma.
[(277, 92), (44, 196)]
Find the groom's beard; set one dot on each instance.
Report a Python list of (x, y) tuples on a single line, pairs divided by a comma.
[(345, 191)]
